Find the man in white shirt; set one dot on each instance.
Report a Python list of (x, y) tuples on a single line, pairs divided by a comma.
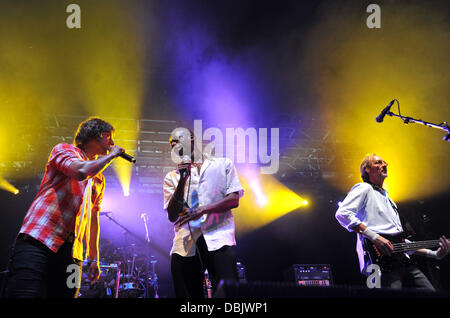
[(198, 197), (368, 211)]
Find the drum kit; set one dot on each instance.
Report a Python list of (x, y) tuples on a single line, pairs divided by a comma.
[(126, 272)]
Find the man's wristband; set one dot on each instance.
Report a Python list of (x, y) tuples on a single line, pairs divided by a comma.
[(371, 235), (432, 254)]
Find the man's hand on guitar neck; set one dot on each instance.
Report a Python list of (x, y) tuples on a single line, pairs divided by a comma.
[(444, 248), (440, 253)]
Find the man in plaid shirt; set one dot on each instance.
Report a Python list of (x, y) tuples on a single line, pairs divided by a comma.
[(64, 212)]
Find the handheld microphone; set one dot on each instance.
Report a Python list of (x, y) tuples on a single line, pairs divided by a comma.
[(185, 160), (384, 112), (128, 157)]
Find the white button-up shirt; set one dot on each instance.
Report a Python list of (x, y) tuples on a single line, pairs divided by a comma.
[(374, 208), (218, 178)]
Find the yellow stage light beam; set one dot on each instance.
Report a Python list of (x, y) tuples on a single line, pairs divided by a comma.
[(32, 82), (114, 76), (7, 186), (259, 208), (126, 137), (47, 68), (356, 71)]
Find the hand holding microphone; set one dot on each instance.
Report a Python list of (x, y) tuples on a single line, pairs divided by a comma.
[(116, 151), (184, 168), (128, 157), (182, 159)]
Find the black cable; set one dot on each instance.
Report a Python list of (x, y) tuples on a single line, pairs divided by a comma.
[(398, 107), (190, 230)]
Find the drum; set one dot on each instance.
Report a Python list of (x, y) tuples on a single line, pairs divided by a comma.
[(130, 290), (106, 285)]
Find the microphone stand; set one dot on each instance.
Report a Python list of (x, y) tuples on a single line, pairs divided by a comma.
[(145, 242), (147, 239), (444, 126), (140, 239)]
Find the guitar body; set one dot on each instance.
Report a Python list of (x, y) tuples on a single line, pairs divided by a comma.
[(386, 263), (398, 257)]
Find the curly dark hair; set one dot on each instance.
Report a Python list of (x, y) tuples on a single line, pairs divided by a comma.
[(91, 128)]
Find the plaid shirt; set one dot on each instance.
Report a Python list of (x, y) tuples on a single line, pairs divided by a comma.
[(52, 216)]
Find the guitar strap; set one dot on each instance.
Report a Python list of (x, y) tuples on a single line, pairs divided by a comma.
[(408, 230)]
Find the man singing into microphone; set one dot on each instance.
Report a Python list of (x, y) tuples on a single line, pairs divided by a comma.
[(198, 197), (49, 247)]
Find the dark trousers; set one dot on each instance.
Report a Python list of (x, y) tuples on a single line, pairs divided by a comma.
[(38, 272), (406, 277), (188, 273)]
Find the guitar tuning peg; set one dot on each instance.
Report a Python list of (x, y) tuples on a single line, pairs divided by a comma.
[(425, 218)]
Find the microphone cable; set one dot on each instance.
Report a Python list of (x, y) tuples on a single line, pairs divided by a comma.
[(197, 250), (398, 107)]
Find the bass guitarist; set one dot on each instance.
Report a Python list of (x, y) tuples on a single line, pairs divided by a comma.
[(368, 211)]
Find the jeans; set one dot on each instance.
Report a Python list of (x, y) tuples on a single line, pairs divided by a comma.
[(188, 273), (38, 272), (409, 276)]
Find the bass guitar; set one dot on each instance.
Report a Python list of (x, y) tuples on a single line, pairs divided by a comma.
[(386, 262)]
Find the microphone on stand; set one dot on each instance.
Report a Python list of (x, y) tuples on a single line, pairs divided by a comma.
[(384, 112), (104, 213)]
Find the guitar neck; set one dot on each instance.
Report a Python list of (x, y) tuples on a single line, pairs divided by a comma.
[(413, 246)]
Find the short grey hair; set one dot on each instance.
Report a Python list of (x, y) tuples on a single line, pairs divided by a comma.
[(364, 164)]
